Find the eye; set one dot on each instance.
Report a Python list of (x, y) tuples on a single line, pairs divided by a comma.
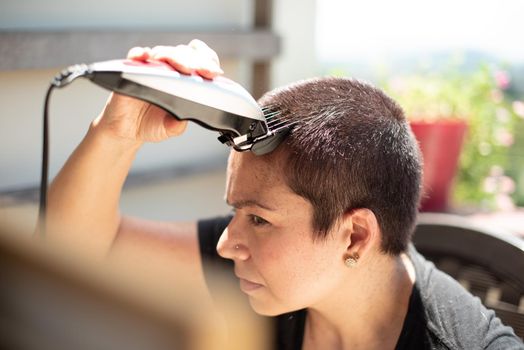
[(257, 220)]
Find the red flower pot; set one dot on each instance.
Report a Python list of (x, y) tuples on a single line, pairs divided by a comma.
[(440, 143)]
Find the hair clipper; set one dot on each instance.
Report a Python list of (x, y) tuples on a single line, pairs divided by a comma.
[(220, 104)]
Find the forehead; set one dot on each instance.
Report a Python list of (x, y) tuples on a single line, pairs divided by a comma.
[(254, 176)]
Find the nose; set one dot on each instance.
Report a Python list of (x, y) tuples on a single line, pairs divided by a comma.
[(231, 245)]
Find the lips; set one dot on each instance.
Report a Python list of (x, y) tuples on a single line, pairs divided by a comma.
[(248, 286)]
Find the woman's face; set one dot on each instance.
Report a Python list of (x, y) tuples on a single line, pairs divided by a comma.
[(271, 241)]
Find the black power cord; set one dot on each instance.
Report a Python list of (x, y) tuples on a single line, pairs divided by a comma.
[(45, 163), (64, 78)]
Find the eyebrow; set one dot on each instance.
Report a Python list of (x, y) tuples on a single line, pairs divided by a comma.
[(248, 203)]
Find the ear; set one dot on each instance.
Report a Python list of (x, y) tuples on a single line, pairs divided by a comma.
[(360, 231)]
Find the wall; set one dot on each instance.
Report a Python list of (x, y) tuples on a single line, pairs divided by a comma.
[(294, 21), (124, 14)]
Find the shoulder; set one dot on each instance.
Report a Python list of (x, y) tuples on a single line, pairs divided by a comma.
[(454, 316)]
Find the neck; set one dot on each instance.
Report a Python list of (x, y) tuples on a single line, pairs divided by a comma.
[(368, 309)]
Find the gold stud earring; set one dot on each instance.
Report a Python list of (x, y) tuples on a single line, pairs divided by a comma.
[(351, 261)]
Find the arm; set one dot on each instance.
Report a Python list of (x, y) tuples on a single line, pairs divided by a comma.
[(83, 203), (83, 198)]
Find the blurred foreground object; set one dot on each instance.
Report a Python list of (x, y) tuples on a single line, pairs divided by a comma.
[(51, 300)]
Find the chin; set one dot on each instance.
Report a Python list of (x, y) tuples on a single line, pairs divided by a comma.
[(265, 308)]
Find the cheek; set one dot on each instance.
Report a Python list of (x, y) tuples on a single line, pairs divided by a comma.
[(298, 272)]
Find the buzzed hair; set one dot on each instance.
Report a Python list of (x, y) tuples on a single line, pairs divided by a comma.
[(350, 147)]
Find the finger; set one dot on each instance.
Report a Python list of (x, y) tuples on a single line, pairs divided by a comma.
[(173, 126), (181, 57), (209, 63), (189, 60), (205, 51), (139, 53), (209, 73)]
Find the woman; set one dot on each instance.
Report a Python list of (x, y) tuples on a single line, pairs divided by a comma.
[(321, 227)]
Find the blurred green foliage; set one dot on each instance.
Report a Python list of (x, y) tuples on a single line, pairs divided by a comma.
[(491, 169)]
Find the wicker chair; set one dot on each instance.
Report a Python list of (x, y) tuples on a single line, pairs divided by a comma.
[(489, 264)]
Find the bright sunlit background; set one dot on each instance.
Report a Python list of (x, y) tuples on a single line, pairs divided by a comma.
[(375, 32)]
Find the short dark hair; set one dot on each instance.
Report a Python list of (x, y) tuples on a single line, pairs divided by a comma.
[(350, 147)]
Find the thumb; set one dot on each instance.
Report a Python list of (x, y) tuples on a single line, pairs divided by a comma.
[(173, 126)]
